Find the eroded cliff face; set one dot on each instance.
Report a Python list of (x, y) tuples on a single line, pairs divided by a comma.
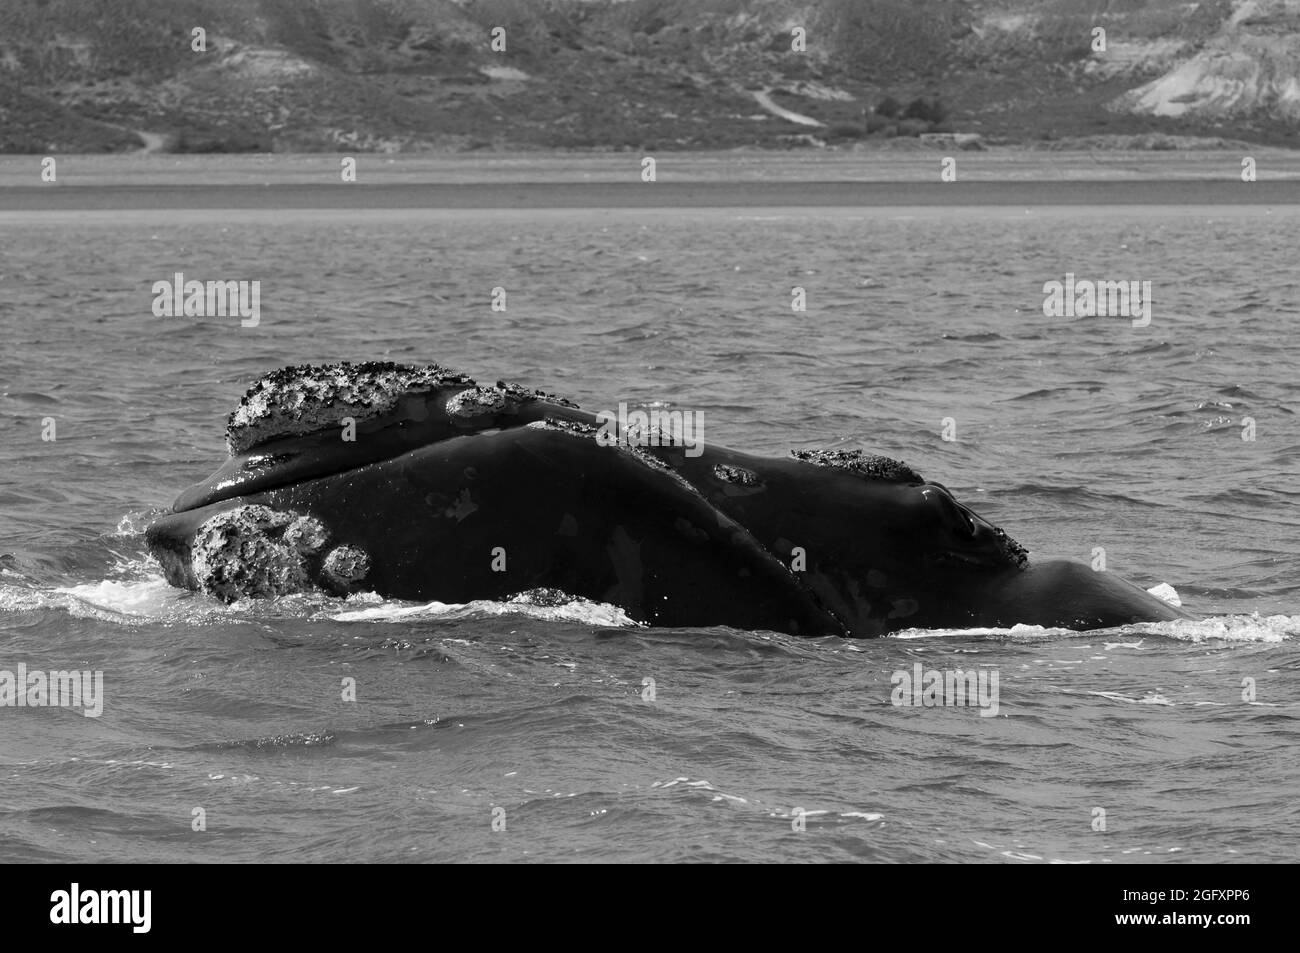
[(414, 75), (1249, 67)]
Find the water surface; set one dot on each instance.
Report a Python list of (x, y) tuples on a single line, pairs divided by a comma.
[(1072, 433)]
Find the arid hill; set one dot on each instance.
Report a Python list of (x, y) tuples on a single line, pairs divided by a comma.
[(421, 75)]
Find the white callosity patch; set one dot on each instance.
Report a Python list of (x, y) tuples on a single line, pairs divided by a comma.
[(242, 552), (345, 566), (306, 534), (740, 476), (300, 400), (254, 551), (576, 428), (477, 401)]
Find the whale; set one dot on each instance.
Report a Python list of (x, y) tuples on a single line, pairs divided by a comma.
[(416, 482)]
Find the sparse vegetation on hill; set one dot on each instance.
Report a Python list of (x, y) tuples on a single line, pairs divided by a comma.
[(412, 75)]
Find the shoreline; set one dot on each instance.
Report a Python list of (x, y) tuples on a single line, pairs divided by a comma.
[(613, 195)]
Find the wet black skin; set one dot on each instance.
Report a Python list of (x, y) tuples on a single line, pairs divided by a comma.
[(673, 539)]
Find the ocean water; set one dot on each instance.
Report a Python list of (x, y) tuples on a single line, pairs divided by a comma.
[(516, 732)]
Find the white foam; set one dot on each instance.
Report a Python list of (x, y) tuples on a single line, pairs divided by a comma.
[(1228, 628), (137, 593), (579, 610), (146, 597), (123, 602), (1150, 698), (1015, 631)]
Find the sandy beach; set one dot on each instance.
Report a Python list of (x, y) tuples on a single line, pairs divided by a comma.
[(682, 180)]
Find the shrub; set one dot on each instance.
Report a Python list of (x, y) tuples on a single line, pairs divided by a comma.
[(889, 107), (877, 123), (929, 110), (844, 130)]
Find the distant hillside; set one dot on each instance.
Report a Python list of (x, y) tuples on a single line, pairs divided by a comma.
[(418, 75)]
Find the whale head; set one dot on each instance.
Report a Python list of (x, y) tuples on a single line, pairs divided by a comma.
[(304, 423)]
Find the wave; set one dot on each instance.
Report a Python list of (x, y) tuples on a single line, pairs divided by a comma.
[(151, 599), (145, 596), (524, 605), (1229, 628)]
